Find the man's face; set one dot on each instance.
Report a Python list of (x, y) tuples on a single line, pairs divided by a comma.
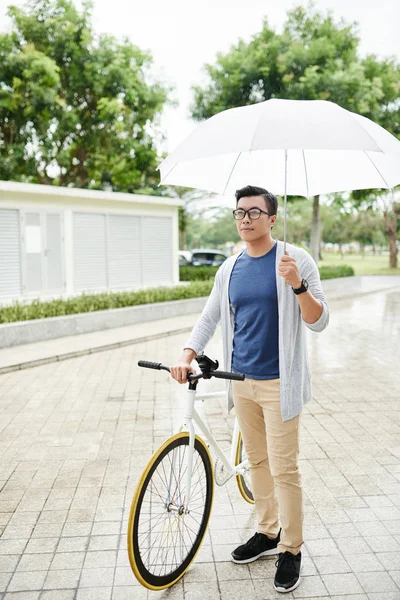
[(251, 230)]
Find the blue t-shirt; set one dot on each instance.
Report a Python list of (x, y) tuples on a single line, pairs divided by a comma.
[(254, 298)]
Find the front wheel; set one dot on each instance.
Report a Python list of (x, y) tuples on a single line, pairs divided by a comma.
[(243, 480), (164, 531)]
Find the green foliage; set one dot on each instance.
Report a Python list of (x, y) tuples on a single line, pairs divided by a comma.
[(191, 273), (313, 58), (364, 226), (212, 232), (95, 302), (327, 272), (75, 108)]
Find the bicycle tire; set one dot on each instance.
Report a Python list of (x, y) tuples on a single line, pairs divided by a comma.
[(144, 573), (243, 483)]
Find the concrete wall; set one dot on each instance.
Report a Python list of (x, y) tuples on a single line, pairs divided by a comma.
[(26, 332)]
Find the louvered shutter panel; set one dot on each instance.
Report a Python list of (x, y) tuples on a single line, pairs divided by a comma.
[(90, 265), (55, 278), (157, 250), (123, 245), (10, 254)]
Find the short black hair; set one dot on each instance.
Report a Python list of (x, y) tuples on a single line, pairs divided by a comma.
[(251, 190)]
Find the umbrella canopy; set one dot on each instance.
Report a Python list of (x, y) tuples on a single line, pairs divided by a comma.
[(298, 147)]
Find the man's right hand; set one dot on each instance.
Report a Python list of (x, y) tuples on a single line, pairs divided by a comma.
[(180, 371)]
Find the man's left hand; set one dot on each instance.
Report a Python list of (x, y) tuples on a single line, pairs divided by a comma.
[(289, 270)]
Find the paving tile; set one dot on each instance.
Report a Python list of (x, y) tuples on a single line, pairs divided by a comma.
[(12, 546), (374, 582), (4, 581), (99, 577), (40, 545), (343, 583), (124, 576), (73, 544), (309, 587), (331, 565), (67, 560), (103, 542), (61, 579), (324, 547), (27, 581), (8, 562), (236, 589), (355, 545), (105, 558), (35, 562)]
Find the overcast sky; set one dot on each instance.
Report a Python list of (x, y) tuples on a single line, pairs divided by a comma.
[(183, 35)]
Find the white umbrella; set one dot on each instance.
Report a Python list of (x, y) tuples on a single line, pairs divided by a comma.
[(291, 147)]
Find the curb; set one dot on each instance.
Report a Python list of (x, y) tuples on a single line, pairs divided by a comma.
[(76, 354)]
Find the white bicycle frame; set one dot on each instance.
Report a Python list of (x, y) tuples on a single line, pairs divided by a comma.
[(192, 416)]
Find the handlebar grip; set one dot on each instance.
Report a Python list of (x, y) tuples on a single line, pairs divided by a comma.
[(149, 365), (227, 375)]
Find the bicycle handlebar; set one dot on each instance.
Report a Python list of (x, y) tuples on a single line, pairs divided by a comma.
[(217, 374), (149, 365), (227, 375)]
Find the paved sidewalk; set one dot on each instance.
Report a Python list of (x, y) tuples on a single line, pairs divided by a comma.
[(76, 434)]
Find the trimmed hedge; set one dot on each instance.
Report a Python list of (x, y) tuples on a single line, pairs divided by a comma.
[(93, 302), (336, 271), (191, 273), (201, 286)]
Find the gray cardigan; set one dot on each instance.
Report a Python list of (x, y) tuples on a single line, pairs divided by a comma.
[(295, 378)]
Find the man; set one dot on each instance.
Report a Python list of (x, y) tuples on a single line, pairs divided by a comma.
[(265, 299)]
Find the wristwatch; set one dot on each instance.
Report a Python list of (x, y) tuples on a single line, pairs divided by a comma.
[(303, 288)]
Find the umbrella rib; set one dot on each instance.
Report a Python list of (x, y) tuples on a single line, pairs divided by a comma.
[(370, 159), (230, 174), (169, 173), (305, 171)]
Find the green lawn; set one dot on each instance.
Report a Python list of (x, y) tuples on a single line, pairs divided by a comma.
[(369, 265)]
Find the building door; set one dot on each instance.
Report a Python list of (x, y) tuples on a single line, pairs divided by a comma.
[(43, 253)]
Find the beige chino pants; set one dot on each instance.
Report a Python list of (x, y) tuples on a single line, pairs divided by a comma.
[(272, 446)]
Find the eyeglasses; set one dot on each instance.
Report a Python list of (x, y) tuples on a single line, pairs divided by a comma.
[(254, 213)]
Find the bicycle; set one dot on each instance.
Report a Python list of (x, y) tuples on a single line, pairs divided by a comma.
[(172, 503)]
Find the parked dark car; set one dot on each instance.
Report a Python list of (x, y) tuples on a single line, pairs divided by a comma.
[(201, 257), (212, 258)]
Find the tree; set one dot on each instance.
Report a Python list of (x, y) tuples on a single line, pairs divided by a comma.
[(75, 108), (313, 58), (388, 204), (369, 228), (337, 227)]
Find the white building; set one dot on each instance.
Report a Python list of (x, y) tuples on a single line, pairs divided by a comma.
[(57, 241)]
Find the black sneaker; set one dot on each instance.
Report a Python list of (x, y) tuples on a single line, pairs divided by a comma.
[(258, 545), (287, 576)]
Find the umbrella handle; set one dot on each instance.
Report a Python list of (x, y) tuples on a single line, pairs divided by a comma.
[(285, 205)]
